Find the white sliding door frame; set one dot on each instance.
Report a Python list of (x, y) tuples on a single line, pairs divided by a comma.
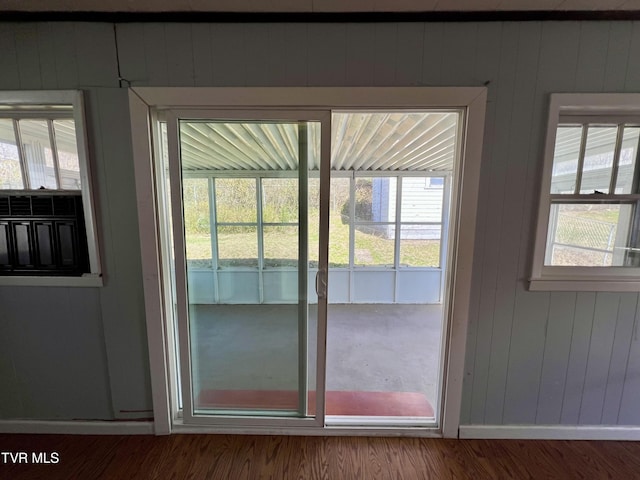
[(465, 182), (257, 418)]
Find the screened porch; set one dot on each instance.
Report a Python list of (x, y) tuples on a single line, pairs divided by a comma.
[(389, 207)]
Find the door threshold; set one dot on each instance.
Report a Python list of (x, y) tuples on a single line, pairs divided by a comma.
[(423, 431), (379, 421)]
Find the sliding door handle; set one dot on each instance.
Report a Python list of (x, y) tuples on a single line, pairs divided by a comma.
[(321, 284)]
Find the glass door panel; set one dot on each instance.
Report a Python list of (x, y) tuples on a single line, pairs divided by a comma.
[(243, 186)]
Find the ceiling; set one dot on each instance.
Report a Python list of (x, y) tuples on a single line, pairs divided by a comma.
[(311, 6), (389, 141)]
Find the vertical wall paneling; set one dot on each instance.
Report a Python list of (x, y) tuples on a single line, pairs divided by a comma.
[(56, 354), (409, 54), (602, 335), (64, 40), (486, 62), (628, 412), (385, 43), (10, 78), (509, 245), (80, 309), (360, 58), (96, 58), (259, 57), (280, 43), (121, 300), (556, 68), (131, 53), (460, 51), (227, 55), (633, 67), (622, 339), (592, 56), (578, 355), (433, 51), (525, 356), (179, 51), (618, 57), (46, 48), (556, 357), (202, 66), (486, 67), (28, 56), (155, 54), (491, 254), (266, 56), (296, 52), (11, 405), (327, 63), (491, 343)]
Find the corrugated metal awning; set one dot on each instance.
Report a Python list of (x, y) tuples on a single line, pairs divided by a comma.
[(362, 141)]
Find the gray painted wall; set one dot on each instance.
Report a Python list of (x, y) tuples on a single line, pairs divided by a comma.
[(548, 358), (74, 353)]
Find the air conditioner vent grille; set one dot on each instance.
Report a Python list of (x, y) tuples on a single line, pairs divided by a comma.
[(20, 206)]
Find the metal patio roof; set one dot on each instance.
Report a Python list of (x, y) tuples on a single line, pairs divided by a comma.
[(363, 141)]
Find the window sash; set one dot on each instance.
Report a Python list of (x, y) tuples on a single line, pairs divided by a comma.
[(51, 142)]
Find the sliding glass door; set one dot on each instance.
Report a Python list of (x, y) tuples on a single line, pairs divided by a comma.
[(249, 196)]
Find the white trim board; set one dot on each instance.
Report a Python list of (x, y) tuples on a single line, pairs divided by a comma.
[(81, 427), (550, 432)]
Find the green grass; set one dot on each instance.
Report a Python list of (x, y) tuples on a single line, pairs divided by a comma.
[(238, 247)]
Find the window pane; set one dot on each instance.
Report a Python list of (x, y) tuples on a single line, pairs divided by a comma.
[(10, 173), (65, 131), (314, 219), (237, 246), (420, 245), (422, 199), (339, 223), (280, 200), (374, 245), (236, 200), (628, 157), (38, 154), (565, 159), (375, 199), (598, 159), (195, 194), (280, 246), (588, 235)]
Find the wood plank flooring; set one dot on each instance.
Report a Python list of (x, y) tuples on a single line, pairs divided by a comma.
[(279, 457)]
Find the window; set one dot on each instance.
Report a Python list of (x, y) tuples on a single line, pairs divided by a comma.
[(589, 218), (383, 205), (47, 232), (256, 224)]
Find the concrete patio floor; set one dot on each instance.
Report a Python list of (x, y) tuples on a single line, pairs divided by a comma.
[(388, 348)]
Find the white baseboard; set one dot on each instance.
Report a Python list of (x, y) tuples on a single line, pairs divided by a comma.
[(550, 432), (80, 427)]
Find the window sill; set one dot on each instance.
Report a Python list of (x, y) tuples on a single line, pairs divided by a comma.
[(87, 280), (580, 285)]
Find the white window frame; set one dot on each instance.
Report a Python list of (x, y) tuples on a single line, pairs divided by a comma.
[(75, 99), (603, 108)]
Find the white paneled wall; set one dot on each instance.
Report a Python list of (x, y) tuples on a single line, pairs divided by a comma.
[(546, 358)]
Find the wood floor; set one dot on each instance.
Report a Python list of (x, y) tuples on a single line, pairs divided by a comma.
[(277, 457)]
